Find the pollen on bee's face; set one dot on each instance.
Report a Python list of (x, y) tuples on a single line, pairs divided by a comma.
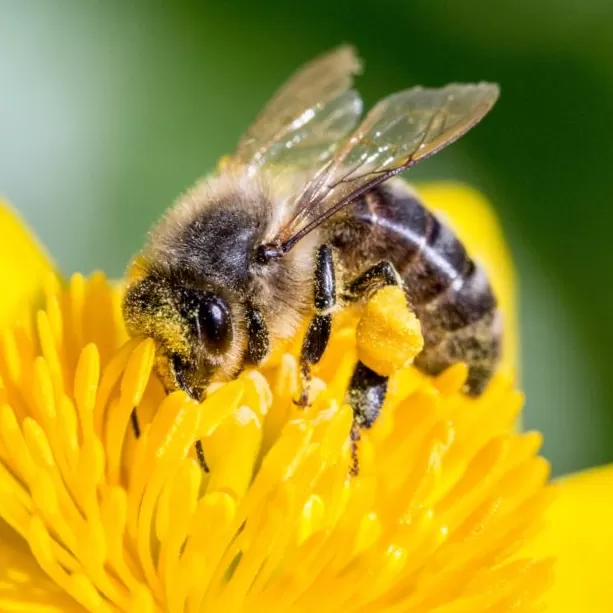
[(149, 309)]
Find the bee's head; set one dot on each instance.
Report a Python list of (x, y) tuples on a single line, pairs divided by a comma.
[(192, 328)]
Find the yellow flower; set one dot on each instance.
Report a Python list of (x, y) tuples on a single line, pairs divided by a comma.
[(450, 512)]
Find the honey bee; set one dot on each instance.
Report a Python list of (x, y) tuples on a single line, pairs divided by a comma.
[(306, 216)]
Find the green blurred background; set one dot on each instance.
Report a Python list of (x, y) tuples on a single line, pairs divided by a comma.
[(109, 109)]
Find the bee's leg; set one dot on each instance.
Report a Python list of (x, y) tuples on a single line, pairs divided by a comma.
[(366, 284), (198, 444), (355, 436), (198, 396), (135, 424), (201, 458), (365, 395), (318, 332), (367, 388)]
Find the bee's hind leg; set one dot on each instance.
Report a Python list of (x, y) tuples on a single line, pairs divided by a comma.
[(365, 396), (367, 389), (320, 327)]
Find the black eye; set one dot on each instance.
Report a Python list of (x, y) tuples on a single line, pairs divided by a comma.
[(214, 322)]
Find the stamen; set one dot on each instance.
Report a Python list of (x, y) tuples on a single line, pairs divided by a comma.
[(446, 493)]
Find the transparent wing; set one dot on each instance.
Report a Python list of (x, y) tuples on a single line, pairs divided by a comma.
[(399, 131), (304, 122)]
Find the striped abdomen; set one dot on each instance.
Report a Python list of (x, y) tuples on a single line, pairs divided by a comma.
[(449, 293)]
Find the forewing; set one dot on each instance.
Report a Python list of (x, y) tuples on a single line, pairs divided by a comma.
[(305, 121), (401, 130)]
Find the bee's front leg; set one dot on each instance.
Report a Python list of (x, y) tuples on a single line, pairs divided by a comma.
[(320, 327)]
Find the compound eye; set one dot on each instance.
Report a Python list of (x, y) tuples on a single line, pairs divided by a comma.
[(215, 323)]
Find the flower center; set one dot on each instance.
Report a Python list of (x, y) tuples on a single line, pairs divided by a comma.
[(446, 494)]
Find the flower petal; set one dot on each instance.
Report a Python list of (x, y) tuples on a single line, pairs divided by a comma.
[(24, 263), (474, 221), (579, 533), (24, 586)]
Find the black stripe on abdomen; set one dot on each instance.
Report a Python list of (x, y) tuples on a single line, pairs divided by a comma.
[(441, 260), (466, 300), (455, 305)]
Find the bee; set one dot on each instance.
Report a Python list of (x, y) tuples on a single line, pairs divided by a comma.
[(306, 216)]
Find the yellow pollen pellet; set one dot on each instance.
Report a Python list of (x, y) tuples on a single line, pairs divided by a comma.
[(388, 334)]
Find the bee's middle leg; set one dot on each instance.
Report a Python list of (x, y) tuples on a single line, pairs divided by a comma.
[(320, 327)]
